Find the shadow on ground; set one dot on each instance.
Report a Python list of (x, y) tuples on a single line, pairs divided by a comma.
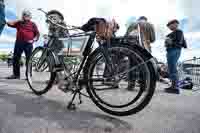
[(30, 106)]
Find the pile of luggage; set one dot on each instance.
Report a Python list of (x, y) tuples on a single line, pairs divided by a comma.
[(185, 83)]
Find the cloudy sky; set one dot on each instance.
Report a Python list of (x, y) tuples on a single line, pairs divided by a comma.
[(77, 12)]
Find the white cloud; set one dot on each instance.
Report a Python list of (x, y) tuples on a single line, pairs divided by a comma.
[(192, 35), (159, 12), (79, 11), (192, 39), (6, 39), (190, 9)]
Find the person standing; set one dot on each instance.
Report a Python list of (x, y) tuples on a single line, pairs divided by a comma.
[(143, 30), (27, 34), (174, 42), (2, 16)]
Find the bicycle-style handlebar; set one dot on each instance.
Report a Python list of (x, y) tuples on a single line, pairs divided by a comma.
[(67, 27), (40, 9)]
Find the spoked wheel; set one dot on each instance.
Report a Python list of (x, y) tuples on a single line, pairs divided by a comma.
[(110, 89), (39, 72)]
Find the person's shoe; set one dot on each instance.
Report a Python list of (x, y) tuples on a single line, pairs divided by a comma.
[(58, 68), (172, 90), (109, 82), (131, 86), (142, 85), (13, 77)]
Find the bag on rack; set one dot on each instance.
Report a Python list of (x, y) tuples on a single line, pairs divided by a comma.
[(103, 28)]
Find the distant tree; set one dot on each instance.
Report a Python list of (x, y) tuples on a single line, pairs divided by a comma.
[(3, 57)]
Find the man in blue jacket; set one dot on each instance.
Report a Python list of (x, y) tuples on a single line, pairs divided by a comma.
[(2, 16)]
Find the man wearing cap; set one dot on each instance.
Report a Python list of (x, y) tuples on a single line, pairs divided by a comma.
[(2, 15), (27, 34), (174, 43)]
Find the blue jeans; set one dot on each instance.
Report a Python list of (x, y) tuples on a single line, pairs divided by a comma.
[(2, 17), (173, 55)]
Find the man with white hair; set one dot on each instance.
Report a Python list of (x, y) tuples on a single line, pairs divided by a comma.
[(27, 34), (2, 15)]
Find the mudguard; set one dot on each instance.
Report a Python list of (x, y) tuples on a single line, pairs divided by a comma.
[(134, 44), (146, 55)]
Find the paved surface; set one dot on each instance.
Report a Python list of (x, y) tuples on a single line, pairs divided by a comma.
[(23, 112)]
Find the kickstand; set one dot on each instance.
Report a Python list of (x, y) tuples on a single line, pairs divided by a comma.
[(71, 105), (80, 99), (80, 96)]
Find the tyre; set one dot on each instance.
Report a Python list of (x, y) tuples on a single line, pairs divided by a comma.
[(113, 97), (40, 79)]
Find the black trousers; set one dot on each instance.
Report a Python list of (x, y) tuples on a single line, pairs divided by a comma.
[(122, 65), (21, 47)]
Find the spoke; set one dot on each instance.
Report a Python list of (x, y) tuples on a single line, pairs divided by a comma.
[(84, 94), (103, 89), (131, 69)]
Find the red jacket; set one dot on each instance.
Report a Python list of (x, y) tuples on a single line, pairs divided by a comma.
[(26, 31)]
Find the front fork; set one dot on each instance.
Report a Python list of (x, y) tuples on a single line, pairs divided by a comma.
[(41, 60)]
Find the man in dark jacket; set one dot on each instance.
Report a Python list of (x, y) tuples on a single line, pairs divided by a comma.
[(143, 33), (146, 31), (174, 43), (2, 15), (27, 34)]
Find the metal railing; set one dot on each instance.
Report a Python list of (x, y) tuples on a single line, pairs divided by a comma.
[(190, 68)]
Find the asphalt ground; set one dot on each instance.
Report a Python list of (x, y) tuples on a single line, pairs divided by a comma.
[(23, 112)]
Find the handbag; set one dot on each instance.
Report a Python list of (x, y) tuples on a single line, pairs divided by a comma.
[(104, 29)]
